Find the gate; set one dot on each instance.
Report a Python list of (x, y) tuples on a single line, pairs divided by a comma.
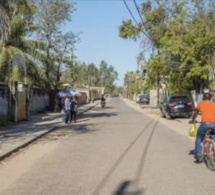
[(21, 103)]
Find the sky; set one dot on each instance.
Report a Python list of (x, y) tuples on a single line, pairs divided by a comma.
[(98, 21)]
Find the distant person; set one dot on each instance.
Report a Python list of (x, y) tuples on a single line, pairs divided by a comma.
[(73, 108), (103, 101), (103, 98), (67, 109), (60, 104), (93, 98)]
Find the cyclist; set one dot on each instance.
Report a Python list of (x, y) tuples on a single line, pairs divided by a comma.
[(207, 108)]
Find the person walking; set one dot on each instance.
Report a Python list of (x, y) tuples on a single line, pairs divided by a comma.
[(73, 108), (67, 109), (93, 99)]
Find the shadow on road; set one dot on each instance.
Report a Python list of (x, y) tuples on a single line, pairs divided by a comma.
[(122, 190), (69, 130), (108, 108), (20, 132)]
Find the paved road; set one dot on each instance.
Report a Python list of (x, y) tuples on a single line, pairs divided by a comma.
[(113, 151)]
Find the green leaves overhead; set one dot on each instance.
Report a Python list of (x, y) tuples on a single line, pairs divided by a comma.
[(182, 33), (24, 20), (128, 30)]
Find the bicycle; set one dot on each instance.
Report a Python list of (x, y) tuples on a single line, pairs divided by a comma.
[(208, 150)]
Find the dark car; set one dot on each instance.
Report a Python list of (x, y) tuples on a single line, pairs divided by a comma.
[(144, 99), (175, 106)]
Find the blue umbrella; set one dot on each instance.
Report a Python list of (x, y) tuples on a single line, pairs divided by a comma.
[(68, 92), (75, 93), (64, 93)]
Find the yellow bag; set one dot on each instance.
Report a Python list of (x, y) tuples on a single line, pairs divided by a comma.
[(193, 130)]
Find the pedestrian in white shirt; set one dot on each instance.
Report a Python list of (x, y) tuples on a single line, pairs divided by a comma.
[(67, 109)]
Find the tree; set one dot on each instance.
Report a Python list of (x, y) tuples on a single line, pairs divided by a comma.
[(119, 90), (93, 75), (16, 43), (129, 83), (107, 77), (182, 39), (6, 8), (153, 27), (49, 17)]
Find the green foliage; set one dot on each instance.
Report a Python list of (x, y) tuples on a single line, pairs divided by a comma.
[(108, 76), (49, 16), (81, 76), (16, 43), (183, 40), (130, 83), (128, 30), (94, 89)]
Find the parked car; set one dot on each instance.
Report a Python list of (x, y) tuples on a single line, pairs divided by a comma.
[(144, 99), (174, 106), (138, 97)]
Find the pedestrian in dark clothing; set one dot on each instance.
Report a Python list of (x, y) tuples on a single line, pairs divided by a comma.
[(73, 109), (93, 98), (60, 104)]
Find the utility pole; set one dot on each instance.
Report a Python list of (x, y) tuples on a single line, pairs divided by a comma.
[(72, 76), (128, 89), (89, 86), (158, 89)]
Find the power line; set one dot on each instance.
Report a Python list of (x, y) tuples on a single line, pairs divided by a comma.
[(138, 11), (135, 19), (130, 12), (141, 20)]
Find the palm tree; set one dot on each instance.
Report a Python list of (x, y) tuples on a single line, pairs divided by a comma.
[(15, 42), (4, 21)]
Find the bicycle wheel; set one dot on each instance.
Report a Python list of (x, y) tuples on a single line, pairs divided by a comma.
[(210, 160)]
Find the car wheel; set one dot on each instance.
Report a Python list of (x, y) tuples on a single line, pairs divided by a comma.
[(189, 115), (168, 117)]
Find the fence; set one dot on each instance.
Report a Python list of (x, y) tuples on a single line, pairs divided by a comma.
[(4, 100)]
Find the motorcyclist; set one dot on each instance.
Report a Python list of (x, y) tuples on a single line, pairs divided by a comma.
[(102, 99), (207, 108)]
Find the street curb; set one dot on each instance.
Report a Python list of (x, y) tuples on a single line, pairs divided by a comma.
[(4, 156), (139, 106), (26, 144), (80, 113)]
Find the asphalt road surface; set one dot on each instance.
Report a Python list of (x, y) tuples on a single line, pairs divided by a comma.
[(112, 151)]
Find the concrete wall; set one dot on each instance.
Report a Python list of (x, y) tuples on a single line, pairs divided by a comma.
[(89, 93), (39, 100), (4, 96), (82, 99), (86, 92), (153, 96)]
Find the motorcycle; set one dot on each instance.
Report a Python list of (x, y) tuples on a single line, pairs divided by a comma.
[(103, 104)]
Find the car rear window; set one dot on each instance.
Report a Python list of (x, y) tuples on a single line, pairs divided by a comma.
[(182, 99), (144, 96)]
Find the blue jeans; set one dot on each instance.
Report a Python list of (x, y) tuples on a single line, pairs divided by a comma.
[(67, 117), (201, 132)]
